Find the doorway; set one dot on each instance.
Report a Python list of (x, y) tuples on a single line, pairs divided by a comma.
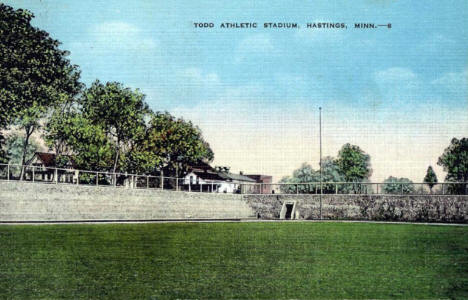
[(289, 209)]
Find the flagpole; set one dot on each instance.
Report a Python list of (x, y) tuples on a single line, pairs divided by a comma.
[(320, 164)]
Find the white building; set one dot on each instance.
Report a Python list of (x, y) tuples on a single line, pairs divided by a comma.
[(205, 178)]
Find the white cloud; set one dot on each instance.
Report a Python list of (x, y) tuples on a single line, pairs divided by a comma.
[(112, 36), (259, 44), (196, 75), (398, 86), (395, 74), (453, 80), (114, 29)]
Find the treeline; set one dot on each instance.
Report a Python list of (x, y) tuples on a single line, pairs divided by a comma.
[(104, 127), (352, 165)]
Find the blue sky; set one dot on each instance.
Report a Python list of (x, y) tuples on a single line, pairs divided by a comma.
[(400, 93)]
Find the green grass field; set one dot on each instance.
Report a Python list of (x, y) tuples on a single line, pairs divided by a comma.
[(233, 260)]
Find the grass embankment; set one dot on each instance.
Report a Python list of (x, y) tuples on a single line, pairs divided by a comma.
[(233, 260)]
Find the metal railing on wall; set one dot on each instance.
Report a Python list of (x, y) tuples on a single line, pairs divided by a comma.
[(368, 188), (51, 175)]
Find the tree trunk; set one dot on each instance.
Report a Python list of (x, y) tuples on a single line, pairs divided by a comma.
[(29, 131), (116, 159)]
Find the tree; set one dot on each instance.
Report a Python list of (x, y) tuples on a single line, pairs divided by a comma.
[(455, 162), (56, 129), (28, 120), (77, 136), (14, 149), (430, 179), (120, 112), (394, 185), (306, 174), (14, 152), (331, 173), (353, 163), (34, 73), (174, 144), (3, 154)]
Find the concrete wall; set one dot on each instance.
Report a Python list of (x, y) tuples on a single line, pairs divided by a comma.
[(424, 208), (50, 202), (62, 202)]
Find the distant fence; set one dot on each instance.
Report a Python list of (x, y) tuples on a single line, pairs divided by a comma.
[(442, 188), (50, 175)]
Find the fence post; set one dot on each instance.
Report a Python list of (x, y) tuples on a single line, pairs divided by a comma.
[(336, 188), (261, 188), (212, 186), (177, 183), (147, 181), (162, 180), (297, 188), (97, 178), (56, 176), (77, 177), (443, 188), (201, 187), (33, 173), (8, 172)]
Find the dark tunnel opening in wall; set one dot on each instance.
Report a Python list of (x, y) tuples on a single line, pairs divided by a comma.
[(289, 209)]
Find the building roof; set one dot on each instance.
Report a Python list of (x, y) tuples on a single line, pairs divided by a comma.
[(260, 178), (201, 166), (47, 159), (205, 171), (209, 176), (237, 177)]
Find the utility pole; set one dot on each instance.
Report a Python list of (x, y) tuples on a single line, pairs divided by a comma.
[(320, 164)]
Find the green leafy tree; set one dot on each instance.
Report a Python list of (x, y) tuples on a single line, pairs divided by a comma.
[(28, 120), (34, 73), (121, 113), (394, 185), (454, 160), (331, 173), (14, 153), (430, 179), (14, 149), (56, 131), (354, 165), (306, 174), (172, 144), (85, 141)]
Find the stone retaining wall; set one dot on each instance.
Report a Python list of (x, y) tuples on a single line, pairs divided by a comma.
[(25, 201), (62, 202), (424, 208)]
